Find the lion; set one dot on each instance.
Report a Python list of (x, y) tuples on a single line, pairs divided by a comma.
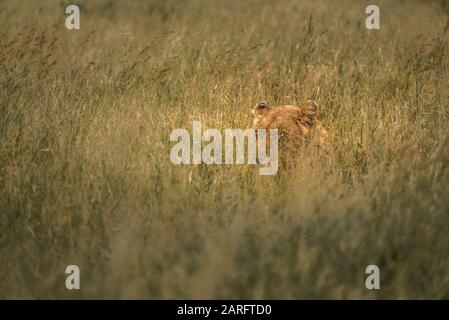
[(297, 126)]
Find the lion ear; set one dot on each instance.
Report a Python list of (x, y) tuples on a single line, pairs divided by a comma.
[(260, 108), (309, 112)]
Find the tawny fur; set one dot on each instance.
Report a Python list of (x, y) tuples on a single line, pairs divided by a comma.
[(296, 125)]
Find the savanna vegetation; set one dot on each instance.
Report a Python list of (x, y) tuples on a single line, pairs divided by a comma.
[(86, 178)]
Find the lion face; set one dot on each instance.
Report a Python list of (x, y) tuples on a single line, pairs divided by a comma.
[(295, 124)]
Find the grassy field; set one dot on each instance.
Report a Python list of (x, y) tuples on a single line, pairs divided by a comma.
[(86, 178)]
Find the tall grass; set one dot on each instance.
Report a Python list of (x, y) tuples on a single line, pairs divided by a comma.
[(86, 179)]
